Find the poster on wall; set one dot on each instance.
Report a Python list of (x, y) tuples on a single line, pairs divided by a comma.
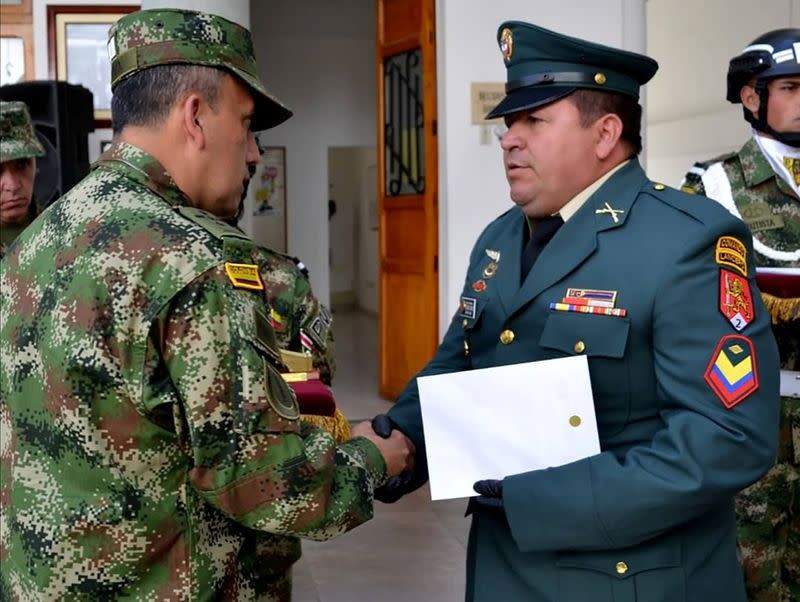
[(268, 196)]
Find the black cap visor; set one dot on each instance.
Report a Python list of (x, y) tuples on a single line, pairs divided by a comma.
[(531, 97)]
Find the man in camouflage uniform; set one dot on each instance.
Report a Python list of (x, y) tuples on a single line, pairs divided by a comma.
[(149, 448), (761, 185), (19, 148)]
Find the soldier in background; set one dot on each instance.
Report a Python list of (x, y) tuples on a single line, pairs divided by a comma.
[(150, 448), (19, 148), (761, 185)]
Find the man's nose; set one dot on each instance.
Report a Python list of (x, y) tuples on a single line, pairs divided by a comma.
[(253, 156)]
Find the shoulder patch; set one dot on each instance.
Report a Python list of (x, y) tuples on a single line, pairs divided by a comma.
[(216, 227), (735, 299), (732, 373), (731, 252), (244, 275)]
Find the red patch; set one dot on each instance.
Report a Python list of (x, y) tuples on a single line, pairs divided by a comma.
[(732, 372), (735, 299), (479, 286)]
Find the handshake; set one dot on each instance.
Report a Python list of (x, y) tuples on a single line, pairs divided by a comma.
[(398, 453)]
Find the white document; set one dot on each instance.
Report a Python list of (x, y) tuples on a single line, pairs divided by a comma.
[(494, 422)]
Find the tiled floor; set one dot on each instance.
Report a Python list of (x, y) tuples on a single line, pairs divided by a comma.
[(413, 550)]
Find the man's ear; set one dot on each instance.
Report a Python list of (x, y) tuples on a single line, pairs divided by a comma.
[(191, 116), (609, 132), (750, 99)]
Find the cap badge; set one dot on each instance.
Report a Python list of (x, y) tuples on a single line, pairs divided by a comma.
[(507, 44), (600, 78)]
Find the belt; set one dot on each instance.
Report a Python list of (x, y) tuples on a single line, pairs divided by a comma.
[(790, 383)]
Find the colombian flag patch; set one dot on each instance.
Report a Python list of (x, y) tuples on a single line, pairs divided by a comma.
[(244, 275), (732, 372)]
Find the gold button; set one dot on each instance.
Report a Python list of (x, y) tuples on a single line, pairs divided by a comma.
[(575, 420), (507, 337), (622, 568), (659, 186), (466, 347), (600, 78), (580, 347), (465, 323)]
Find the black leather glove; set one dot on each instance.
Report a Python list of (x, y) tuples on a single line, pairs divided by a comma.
[(399, 485), (490, 495)]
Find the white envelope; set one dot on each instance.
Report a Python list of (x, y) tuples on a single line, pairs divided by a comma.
[(494, 422)]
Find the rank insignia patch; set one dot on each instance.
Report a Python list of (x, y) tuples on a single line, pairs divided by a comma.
[(467, 307), (244, 275), (732, 372), (732, 253), (735, 300)]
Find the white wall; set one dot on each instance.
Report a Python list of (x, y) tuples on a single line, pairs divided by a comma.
[(688, 117), (367, 276), (343, 188), (319, 58), (473, 190)]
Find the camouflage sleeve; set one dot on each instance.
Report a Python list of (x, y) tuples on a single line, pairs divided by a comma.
[(251, 457), (316, 329)]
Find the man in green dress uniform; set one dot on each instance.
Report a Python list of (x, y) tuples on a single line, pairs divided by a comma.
[(596, 259)]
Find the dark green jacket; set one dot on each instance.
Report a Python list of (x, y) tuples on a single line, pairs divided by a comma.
[(659, 498)]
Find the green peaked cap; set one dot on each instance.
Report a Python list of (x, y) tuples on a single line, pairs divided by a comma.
[(543, 66)]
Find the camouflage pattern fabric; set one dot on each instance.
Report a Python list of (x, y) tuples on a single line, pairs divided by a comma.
[(766, 203), (17, 139), (295, 311), (768, 511), (149, 448), (146, 38)]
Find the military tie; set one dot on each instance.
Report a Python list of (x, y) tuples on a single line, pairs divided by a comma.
[(793, 165), (543, 231)]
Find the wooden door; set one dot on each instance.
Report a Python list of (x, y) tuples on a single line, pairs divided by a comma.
[(407, 185)]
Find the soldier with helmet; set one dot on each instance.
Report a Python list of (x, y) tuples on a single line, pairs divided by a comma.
[(19, 148), (149, 447), (761, 185)]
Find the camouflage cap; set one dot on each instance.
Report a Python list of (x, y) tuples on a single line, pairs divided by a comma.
[(17, 139), (147, 38)]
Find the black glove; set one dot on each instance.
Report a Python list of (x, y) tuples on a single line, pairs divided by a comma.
[(399, 485), (490, 495)]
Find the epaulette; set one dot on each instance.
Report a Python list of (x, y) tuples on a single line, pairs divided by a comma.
[(237, 247), (301, 266), (693, 180), (216, 227)]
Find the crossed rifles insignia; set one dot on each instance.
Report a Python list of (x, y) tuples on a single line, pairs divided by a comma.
[(613, 212)]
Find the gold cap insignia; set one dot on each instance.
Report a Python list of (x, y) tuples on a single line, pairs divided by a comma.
[(600, 78), (507, 44)]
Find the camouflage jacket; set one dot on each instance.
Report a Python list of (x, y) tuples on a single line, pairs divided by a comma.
[(768, 206), (300, 321), (762, 200), (150, 449)]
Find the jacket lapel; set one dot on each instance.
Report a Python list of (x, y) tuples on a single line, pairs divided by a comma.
[(576, 240), (510, 262)]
